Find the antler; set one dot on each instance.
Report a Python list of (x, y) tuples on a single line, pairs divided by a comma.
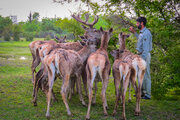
[(86, 20)]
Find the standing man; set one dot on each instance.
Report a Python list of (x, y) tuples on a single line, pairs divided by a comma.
[(144, 46)]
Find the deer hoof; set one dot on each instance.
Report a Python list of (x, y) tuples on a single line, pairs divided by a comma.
[(87, 117), (137, 113), (114, 113), (48, 116), (105, 114), (35, 103)]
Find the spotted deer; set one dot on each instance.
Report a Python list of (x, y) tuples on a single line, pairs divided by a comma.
[(44, 50), (98, 62), (66, 63), (90, 33), (33, 46), (136, 70)]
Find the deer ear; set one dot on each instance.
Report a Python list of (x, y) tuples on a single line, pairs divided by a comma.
[(128, 35), (110, 30), (101, 30), (81, 43), (82, 38), (56, 37), (84, 27), (64, 37)]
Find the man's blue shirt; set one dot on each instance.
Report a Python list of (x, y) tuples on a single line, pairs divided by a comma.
[(144, 44)]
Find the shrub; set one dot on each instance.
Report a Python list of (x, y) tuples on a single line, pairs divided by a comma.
[(7, 33), (16, 32), (48, 37), (29, 36)]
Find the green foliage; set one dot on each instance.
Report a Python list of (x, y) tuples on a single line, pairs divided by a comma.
[(48, 37), (5, 23), (35, 16), (7, 32), (71, 26), (5, 28), (16, 32), (31, 27), (29, 36)]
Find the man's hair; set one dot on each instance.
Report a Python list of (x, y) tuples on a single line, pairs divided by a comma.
[(142, 19)]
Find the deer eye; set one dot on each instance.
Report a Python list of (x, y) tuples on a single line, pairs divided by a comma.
[(95, 30)]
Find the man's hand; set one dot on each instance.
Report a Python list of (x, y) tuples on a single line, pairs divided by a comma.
[(131, 29)]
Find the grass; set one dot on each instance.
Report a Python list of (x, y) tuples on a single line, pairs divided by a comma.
[(16, 95)]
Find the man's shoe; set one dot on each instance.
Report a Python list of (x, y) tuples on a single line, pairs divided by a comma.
[(141, 95), (145, 97)]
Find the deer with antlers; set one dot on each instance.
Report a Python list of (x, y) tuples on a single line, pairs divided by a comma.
[(89, 33), (98, 62), (134, 68)]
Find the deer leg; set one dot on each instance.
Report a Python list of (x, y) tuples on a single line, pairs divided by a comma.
[(84, 79), (53, 97), (39, 78), (129, 100), (117, 84), (33, 67), (140, 81), (80, 89), (90, 80), (70, 89), (90, 99), (103, 93), (64, 92), (51, 77), (125, 86), (96, 88)]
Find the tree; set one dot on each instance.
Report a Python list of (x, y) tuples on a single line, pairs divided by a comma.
[(5, 27), (30, 17), (35, 16), (16, 32)]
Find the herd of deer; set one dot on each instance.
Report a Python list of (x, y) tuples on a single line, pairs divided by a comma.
[(72, 60)]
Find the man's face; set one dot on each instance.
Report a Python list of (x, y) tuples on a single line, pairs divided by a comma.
[(139, 25)]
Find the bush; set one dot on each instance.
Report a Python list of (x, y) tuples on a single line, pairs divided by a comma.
[(16, 37), (29, 36), (7, 33), (48, 37), (16, 32)]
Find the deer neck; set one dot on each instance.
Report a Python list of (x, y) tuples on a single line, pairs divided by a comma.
[(104, 41), (122, 44), (84, 53)]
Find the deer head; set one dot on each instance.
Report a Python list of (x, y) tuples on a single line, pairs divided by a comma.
[(90, 32), (122, 41), (115, 54), (60, 40), (90, 42), (105, 37)]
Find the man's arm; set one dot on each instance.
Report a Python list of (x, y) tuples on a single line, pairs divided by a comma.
[(146, 46), (136, 34)]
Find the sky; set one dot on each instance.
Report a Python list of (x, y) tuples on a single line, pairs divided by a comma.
[(46, 8)]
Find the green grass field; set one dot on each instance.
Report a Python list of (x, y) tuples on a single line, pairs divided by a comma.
[(16, 95)]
